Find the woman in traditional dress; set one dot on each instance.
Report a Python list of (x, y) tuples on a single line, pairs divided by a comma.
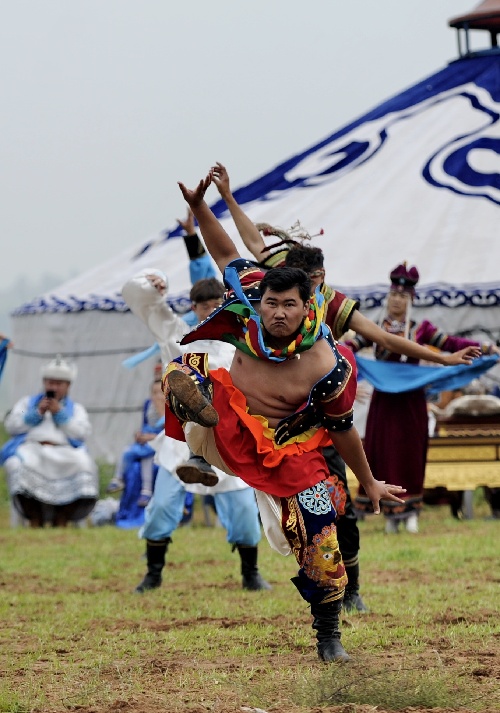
[(396, 436)]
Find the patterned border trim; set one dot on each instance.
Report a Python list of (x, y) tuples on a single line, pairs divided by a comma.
[(442, 296), (52, 304), (369, 298)]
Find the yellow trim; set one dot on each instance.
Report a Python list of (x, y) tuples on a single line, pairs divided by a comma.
[(269, 433)]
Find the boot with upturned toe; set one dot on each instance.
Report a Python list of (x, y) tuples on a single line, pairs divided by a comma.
[(353, 602)]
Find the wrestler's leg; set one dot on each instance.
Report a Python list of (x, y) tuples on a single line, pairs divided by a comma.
[(238, 513), (308, 523), (347, 528), (163, 515)]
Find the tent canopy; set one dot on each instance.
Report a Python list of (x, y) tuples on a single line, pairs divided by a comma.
[(416, 178)]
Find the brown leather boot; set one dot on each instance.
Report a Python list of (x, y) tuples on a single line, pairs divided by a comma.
[(189, 395)]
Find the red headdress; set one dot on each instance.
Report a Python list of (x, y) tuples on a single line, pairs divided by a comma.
[(404, 279)]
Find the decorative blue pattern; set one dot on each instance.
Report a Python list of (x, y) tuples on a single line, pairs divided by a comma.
[(442, 295), (179, 303), (466, 164), (316, 499)]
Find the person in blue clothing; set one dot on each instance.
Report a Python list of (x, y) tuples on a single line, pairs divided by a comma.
[(136, 469), (52, 477), (180, 473)]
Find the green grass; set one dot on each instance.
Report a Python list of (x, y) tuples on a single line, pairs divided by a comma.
[(74, 636)]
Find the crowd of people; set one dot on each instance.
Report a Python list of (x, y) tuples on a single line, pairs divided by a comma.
[(259, 383)]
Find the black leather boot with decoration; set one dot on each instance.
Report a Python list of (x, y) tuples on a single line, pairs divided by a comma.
[(327, 625)]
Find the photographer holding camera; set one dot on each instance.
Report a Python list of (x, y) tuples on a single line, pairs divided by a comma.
[(52, 478)]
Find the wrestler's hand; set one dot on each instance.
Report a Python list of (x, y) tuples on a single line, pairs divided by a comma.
[(188, 224), (158, 283), (464, 356), (9, 343), (195, 198), (143, 438), (220, 177), (378, 490)]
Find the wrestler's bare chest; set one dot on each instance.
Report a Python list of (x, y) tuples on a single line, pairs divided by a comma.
[(277, 389)]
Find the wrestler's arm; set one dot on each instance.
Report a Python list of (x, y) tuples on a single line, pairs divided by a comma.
[(348, 444), (218, 243), (400, 345), (145, 295), (249, 233)]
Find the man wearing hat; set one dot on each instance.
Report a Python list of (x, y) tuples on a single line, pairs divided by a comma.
[(52, 478)]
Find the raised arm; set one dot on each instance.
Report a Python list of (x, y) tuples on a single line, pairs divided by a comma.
[(400, 345), (200, 263), (219, 244), (249, 233)]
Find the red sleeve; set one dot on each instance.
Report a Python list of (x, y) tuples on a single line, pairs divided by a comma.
[(339, 312), (337, 406), (427, 333)]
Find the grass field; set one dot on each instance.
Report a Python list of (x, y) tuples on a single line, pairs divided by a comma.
[(75, 637)]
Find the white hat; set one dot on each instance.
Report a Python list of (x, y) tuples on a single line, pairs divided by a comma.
[(59, 369)]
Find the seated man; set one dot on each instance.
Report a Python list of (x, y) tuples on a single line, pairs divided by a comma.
[(52, 478), (289, 392), (136, 462)]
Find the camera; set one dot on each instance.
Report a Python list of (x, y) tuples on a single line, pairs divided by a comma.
[(50, 394)]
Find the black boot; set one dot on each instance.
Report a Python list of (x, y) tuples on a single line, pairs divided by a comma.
[(155, 556), (326, 623), (352, 598), (197, 470), (252, 579)]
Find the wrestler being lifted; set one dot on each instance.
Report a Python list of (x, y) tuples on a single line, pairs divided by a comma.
[(289, 392)]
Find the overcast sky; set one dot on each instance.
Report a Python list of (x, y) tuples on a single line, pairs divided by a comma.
[(107, 103)]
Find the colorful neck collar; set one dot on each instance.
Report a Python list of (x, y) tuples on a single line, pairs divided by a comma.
[(254, 345)]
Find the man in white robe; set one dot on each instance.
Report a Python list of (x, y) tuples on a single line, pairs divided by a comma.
[(52, 478)]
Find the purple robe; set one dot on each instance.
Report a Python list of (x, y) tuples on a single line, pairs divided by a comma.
[(396, 436)]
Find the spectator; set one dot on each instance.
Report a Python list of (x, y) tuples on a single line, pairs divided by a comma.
[(52, 478), (136, 470)]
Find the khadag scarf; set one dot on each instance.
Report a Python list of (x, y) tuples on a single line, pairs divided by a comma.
[(396, 377), (254, 345)]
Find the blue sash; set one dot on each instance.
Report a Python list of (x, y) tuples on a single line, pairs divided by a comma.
[(3, 354), (398, 377)]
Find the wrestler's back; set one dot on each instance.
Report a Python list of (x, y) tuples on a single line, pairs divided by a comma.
[(277, 389)]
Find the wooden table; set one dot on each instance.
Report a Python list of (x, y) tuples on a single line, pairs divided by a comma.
[(463, 456)]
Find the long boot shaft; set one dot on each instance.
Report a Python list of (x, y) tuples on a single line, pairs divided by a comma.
[(327, 625), (251, 577), (155, 557), (352, 598)]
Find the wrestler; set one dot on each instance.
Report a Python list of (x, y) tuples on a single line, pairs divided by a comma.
[(341, 314), (288, 393)]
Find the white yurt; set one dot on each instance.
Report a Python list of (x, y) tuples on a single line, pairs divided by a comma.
[(417, 178)]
